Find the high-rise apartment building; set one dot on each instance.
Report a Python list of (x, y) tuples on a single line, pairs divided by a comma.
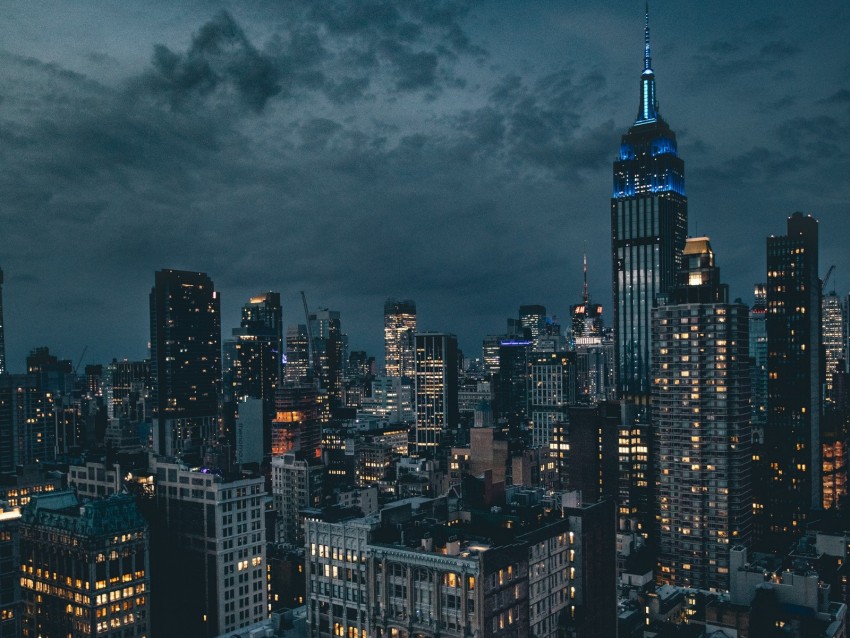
[(185, 364), (399, 331), (792, 435), (834, 335), (121, 381), (297, 366), (649, 218), (551, 390), (296, 485), (208, 551), (701, 411), (84, 567), (514, 380), (436, 387)]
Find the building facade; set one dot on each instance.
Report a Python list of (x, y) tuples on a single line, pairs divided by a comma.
[(209, 551), (296, 485), (701, 409), (84, 567), (436, 387)]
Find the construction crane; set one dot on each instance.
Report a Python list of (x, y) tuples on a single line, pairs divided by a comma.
[(826, 279), (309, 335), (80, 360)]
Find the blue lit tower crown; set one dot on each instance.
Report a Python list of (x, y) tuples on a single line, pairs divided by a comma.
[(649, 219)]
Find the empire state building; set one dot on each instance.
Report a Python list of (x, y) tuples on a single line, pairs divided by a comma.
[(649, 220)]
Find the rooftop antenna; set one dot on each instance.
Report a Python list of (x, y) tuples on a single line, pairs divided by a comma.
[(647, 60)]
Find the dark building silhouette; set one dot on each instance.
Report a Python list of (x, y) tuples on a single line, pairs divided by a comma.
[(514, 379), (253, 360), (701, 413), (328, 343), (792, 449), (3, 369), (649, 219), (592, 465), (185, 360)]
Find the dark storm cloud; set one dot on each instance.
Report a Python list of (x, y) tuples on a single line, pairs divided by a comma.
[(361, 149), (220, 58), (545, 125)]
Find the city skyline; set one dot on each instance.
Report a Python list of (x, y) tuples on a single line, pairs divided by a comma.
[(443, 120)]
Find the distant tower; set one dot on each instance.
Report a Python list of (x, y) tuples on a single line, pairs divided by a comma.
[(185, 360), (2, 330), (792, 434), (586, 316), (532, 319), (649, 220), (328, 351), (399, 329), (436, 389), (701, 412), (297, 355)]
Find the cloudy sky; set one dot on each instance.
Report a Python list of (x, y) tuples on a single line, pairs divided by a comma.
[(459, 154)]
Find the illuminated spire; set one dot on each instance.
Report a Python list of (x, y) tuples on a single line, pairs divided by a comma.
[(585, 296), (648, 110)]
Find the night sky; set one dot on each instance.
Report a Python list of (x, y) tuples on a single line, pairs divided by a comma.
[(456, 154)]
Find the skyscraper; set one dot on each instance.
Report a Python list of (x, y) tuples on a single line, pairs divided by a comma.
[(399, 330), (185, 360), (792, 434), (532, 319), (254, 361), (758, 355), (2, 330), (436, 378), (701, 412), (328, 351), (586, 316), (297, 354), (649, 220), (833, 332), (208, 551)]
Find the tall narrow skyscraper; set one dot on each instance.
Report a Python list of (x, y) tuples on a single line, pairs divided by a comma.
[(399, 329), (185, 360), (2, 330), (254, 357), (701, 412), (792, 434), (834, 333), (649, 220), (436, 389)]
